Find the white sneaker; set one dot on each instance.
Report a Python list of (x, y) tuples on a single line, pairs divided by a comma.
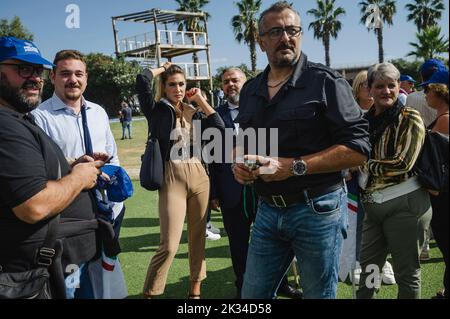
[(211, 236), (212, 229), (387, 274)]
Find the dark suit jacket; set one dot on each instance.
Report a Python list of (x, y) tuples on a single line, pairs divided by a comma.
[(223, 185)]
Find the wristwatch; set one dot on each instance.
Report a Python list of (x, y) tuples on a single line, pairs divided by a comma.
[(299, 167)]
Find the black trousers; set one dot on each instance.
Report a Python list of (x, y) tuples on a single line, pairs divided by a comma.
[(440, 226), (237, 226)]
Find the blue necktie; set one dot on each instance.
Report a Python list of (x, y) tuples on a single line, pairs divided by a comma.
[(87, 135)]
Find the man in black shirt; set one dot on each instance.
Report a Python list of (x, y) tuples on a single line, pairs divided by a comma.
[(321, 131), (36, 182), (126, 116)]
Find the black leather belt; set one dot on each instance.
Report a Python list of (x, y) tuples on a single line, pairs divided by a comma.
[(283, 201)]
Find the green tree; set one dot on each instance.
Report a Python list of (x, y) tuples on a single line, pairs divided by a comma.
[(430, 44), (327, 23), (245, 26), (15, 28), (192, 24), (408, 67), (386, 11), (425, 13)]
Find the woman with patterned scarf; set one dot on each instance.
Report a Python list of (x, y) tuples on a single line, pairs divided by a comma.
[(398, 209)]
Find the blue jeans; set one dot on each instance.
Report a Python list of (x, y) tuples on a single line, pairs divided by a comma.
[(126, 125), (312, 231)]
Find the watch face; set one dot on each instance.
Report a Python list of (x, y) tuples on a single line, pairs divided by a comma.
[(299, 168)]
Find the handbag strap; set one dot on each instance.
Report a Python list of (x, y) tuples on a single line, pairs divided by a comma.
[(46, 253)]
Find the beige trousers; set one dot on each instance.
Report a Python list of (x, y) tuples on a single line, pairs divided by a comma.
[(185, 193)]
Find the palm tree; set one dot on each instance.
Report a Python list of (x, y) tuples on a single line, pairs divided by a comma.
[(387, 10), (326, 24), (430, 43), (245, 26), (194, 24), (425, 13)]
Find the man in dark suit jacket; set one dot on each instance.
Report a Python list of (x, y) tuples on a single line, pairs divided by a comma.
[(237, 202), (226, 193)]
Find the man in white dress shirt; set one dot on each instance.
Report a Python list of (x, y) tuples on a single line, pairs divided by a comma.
[(63, 117)]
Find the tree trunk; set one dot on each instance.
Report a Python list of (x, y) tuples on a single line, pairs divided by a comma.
[(253, 55), (326, 44), (380, 45)]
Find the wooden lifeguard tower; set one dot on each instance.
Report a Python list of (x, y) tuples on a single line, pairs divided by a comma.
[(165, 41)]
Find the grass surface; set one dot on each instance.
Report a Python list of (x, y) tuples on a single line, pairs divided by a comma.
[(140, 238)]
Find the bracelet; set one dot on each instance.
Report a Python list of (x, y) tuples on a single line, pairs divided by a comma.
[(165, 69)]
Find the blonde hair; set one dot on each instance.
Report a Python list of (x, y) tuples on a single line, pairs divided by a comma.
[(440, 90), (162, 79), (360, 78)]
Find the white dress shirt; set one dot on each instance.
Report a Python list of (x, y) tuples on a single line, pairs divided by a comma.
[(65, 128)]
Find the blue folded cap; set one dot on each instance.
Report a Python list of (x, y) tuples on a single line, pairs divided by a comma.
[(407, 78), (119, 188), (14, 48), (432, 65), (440, 77)]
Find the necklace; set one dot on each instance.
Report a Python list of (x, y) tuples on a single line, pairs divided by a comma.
[(279, 83)]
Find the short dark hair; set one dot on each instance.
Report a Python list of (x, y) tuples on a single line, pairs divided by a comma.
[(67, 55), (277, 7)]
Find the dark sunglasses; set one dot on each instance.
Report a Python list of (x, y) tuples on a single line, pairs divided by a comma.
[(27, 70), (276, 33)]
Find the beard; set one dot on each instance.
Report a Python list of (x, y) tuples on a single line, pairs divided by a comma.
[(17, 98), (233, 99), (285, 60), (72, 96)]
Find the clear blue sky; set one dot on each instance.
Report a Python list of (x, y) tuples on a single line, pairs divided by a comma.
[(355, 45)]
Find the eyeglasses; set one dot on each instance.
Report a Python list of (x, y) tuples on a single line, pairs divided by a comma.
[(276, 33), (27, 70)]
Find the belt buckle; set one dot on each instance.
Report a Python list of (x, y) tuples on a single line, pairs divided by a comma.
[(275, 199)]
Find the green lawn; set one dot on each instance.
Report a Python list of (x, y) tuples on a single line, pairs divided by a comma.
[(140, 237)]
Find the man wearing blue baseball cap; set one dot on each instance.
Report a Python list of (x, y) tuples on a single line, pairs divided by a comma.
[(37, 185), (406, 87), (416, 99), (440, 77), (24, 62)]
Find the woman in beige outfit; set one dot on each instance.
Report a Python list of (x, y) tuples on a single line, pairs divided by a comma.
[(185, 190)]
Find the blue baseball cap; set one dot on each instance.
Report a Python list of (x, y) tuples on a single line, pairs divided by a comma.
[(439, 77), (407, 78), (14, 48), (431, 66)]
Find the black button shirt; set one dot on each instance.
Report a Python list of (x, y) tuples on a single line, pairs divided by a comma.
[(313, 111)]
